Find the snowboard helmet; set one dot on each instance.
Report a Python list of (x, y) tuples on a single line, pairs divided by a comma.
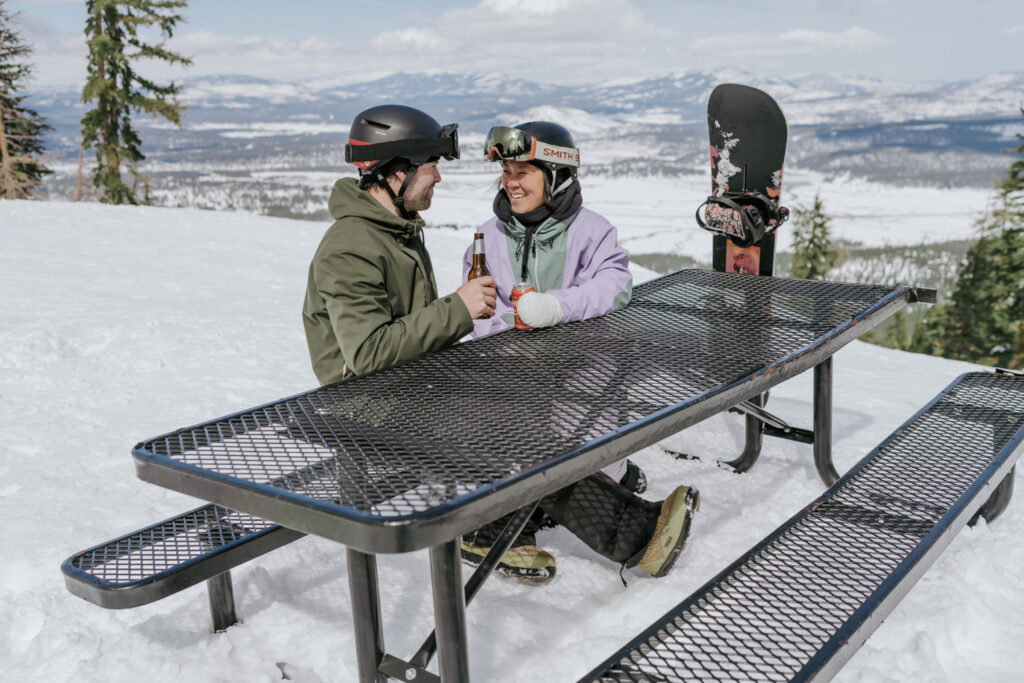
[(392, 137), (544, 144)]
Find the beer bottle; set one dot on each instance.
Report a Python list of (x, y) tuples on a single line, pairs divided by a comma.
[(479, 268)]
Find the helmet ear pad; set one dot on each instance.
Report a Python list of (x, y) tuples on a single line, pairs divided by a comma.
[(557, 179)]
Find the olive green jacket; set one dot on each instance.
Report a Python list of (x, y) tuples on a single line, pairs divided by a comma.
[(371, 299)]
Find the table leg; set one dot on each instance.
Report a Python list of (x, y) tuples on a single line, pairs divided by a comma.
[(365, 594), (449, 612), (823, 422), (753, 432)]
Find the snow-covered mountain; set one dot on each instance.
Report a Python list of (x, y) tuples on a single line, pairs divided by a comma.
[(807, 100), (945, 134)]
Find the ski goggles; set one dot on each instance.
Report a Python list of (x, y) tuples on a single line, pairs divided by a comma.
[(417, 150), (511, 144)]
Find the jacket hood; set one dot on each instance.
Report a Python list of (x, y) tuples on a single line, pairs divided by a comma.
[(347, 200)]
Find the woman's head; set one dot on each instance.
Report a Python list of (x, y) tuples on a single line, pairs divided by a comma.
[(547, 148)]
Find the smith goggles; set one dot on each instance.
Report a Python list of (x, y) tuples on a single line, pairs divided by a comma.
[(415, 149), (511, 144)]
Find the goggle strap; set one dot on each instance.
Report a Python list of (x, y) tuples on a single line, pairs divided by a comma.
[(542, 151), (431, 147)]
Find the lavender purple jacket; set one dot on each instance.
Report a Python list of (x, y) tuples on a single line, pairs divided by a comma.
[(595, 281)]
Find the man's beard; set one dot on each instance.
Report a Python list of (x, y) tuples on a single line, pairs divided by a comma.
[(418, 202)]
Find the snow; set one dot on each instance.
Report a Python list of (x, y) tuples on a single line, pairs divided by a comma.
[(121, 323), (253, 130), (648, 215)]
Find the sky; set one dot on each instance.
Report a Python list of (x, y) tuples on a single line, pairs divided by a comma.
[(558, 41)]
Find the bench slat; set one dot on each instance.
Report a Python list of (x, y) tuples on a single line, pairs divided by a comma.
[(162, 559), (802, 601)]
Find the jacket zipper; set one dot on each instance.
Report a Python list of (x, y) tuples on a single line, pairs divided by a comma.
[(423, 260)]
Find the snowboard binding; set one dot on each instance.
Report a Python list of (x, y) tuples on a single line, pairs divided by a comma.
[(743, 217)]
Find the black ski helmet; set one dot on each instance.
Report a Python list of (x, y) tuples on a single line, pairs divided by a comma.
[(560, 175), (393, 137)]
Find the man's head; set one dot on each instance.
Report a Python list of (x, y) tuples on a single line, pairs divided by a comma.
[(396, 149)]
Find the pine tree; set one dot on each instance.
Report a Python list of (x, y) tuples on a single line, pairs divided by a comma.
[(21, 129), (983, 320), (112, 31), (814, 254), (1012, 187)]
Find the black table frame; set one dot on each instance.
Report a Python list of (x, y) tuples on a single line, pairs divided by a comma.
[(438, 526)]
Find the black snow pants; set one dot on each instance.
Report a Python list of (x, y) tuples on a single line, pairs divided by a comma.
[(601, 512)]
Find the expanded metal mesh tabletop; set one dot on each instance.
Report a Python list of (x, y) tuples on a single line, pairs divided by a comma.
[(416, 455), (801, 602)]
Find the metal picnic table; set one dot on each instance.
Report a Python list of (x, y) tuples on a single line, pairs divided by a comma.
[(415, 456)]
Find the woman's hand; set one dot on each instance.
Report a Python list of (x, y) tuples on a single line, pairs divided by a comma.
[(539, 310)]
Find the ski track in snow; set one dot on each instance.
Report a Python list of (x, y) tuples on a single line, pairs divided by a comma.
[(121, 323)]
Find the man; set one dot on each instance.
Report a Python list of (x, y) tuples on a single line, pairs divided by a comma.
[(371, 298)]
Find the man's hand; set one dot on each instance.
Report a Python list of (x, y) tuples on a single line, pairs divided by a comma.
[(479, 295)]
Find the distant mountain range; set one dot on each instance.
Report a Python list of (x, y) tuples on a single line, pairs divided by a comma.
[(949, 134), (475, 99)]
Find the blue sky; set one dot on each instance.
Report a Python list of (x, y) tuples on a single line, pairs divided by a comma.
[(560, 41)]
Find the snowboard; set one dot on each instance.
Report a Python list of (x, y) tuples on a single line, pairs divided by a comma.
[(748, 148)]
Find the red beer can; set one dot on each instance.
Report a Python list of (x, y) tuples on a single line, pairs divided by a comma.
[(517, 291)]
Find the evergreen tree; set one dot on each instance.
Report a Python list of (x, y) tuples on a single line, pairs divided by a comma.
[(1012, 187), (814, 254), (21, 129), (983, 320), (112, 30)]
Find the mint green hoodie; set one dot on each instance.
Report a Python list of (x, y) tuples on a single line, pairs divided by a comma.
[(371, 299)]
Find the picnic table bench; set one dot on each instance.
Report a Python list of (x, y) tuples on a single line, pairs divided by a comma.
[(417, 455), (802, 601)]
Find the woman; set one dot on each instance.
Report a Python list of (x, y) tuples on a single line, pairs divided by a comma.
[(542, 236), (577, 273)]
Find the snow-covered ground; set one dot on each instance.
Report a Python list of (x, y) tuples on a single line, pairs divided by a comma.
[(655, 214), (122, 323)]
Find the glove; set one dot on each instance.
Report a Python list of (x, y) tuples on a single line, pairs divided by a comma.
[(539, 310)]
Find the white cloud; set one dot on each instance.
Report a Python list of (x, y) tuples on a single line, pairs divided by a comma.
[(58, 57), (794, 41), (545, 40), (558, 41), (529, 7), (417, 38)]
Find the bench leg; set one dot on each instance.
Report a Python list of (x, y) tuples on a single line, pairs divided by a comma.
[(823, 422), (449, 612), (998, 501), (365, 595), (222, 601)]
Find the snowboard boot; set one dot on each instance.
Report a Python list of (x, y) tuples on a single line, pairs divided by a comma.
[(671, 532), (525, 562)]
